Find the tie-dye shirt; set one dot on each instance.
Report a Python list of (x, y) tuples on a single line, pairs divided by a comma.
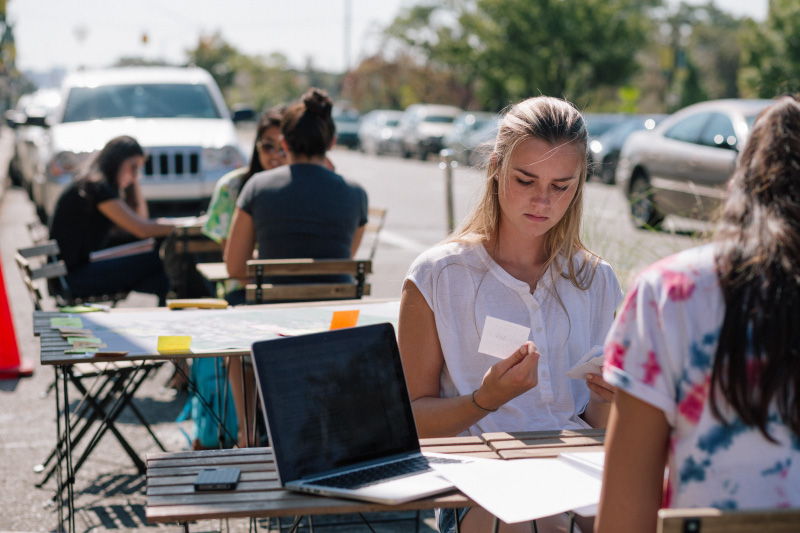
[(661, 350)]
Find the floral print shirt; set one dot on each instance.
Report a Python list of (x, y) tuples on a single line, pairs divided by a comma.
[(661, 350), (219, 218)]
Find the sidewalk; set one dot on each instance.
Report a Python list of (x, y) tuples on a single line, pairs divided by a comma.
[(109, 493)]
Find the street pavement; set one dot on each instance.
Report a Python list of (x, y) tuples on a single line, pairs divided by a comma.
[(110, 495)]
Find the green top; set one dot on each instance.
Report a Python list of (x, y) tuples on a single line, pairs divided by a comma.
[(220, 215)]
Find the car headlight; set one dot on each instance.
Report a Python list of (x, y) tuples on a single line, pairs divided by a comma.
[(66, 163), (221, 158), (386, 133), (595, 146)]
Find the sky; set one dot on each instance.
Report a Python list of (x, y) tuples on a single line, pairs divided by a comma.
[(95, 33)]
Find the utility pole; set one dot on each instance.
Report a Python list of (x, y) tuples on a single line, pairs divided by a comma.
[(348, 14)]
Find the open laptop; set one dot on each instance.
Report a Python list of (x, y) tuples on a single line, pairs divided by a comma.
[(339, 417)]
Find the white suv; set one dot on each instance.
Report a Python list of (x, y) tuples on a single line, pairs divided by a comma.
[(178, 115)]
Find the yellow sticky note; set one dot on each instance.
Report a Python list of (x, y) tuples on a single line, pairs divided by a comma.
[(344, 319), (174, 344)]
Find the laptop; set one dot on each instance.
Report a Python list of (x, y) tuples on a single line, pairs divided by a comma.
[(339, 417)]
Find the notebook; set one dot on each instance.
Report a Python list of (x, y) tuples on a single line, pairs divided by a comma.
[(339, 417)]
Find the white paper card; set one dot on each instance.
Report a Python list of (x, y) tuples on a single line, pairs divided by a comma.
[(526, 489), (501, 338), (591, 363)]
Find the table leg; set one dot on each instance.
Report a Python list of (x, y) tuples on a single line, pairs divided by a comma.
[(68, 442), (295, 524), (495, 524), (59, 456)]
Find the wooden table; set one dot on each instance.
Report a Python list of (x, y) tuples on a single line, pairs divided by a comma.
[(170, 476), (140, 343)]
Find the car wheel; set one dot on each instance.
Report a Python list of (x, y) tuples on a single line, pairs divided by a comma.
[(608, 169), (422, 153), (643, 210)]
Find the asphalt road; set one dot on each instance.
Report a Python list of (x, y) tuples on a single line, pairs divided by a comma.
[(110, 493)]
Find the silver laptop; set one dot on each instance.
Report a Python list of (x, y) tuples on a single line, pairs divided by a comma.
[(339, 417)]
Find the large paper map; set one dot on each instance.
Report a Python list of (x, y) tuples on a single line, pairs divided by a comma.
[(224, 329)]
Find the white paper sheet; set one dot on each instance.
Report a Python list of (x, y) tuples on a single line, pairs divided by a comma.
[(591, 363), (501, 338), (521, 490)]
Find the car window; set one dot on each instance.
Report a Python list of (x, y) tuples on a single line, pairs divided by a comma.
[(438, 119), (719, 132), (688, 129), (168, 100)]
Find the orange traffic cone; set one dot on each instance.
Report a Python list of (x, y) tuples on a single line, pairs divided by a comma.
[(11, 367)]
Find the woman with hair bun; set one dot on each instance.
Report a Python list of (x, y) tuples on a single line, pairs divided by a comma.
[(303, 209)]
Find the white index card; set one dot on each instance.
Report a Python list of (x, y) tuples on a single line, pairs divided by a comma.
[(501, 338)]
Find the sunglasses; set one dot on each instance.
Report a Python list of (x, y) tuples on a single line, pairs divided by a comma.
[(270, 148)]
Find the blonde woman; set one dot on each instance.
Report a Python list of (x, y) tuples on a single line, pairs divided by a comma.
[(517, 257)]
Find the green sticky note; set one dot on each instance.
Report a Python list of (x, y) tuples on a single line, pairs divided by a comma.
[(66, 322), (87, 340), (174, 344)]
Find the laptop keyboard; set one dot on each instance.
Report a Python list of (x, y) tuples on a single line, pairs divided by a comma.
[(380, 473)]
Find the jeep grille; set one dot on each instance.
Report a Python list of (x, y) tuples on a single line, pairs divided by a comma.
[(172, 163)]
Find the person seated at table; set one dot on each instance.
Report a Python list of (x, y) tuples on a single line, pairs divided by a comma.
[(91, 207), (517, 257), (303, 210), (704, 354)]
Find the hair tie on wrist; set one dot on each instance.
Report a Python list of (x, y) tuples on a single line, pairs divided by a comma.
[(478, 406)]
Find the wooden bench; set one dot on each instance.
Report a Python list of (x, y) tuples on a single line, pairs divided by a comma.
[(41, 262), (262, 292), (708, 520)]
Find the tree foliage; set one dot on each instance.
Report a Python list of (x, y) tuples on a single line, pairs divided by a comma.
[(506, 50), (771, 52)]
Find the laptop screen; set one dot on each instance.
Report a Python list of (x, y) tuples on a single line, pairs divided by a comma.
[(333, 399)]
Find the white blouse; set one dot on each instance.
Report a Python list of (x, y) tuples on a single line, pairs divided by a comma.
[(463, 285)]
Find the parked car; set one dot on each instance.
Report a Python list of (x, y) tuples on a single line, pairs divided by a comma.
[(682, 165), (346, 121), (481, 142), (378, 132), (29, 121), (459, 138), (605, 148), (423, 127), (178, 115)]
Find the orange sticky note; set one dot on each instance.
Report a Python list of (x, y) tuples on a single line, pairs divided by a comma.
[(174, 344), (344, 319)]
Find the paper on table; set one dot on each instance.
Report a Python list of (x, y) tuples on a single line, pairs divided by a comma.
[(501, 338), (591, 363), (526, 489)]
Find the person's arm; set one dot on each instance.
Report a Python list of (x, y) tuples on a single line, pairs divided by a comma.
[(121, 214), (422, 358), (601, 396), (636, 446), (240, 244), (357, 236)]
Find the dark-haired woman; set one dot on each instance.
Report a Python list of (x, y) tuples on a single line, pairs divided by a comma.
[(303, 209), (106, 195), (705, 354), (300, 210)]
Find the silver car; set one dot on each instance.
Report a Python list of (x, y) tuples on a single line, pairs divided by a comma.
[(682, 165), (378, 134)]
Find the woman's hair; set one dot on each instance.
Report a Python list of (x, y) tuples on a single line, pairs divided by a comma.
[(307, 126), (555, 122), (105, 165), (757, 364), (269, 119)]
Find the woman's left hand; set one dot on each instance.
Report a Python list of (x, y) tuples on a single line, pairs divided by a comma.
[(599, 389)]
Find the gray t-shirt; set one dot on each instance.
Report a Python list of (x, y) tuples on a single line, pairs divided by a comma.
[(303, 210)]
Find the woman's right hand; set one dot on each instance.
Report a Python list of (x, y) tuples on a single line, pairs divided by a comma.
[(509, 378)]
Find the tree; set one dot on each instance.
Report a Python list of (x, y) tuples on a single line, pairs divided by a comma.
[(506, 50), (215, 55), (771, 52)]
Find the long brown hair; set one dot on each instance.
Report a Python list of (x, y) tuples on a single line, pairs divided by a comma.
[(269, 119), (555, 122), (308, 126), (757, 364)]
